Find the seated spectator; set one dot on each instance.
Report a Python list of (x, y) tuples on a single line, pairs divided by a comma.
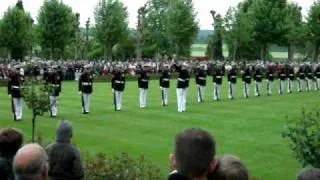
[(193, 155), (10, 142), (229, 168), (309, 174), (64, 158), (31, 163)]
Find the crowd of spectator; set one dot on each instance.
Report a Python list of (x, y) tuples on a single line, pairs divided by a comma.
[(194, 158)]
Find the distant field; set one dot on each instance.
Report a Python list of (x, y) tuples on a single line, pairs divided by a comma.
[(199, 50)]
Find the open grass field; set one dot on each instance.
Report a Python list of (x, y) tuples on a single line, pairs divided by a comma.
[(199, 50), (249, 128)]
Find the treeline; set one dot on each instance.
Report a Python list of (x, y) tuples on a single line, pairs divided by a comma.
[(164, 28), (253, 26)]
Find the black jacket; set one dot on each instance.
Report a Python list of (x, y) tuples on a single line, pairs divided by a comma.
[(165, 79), (143, 80), (217, 77), (290, 74), (55, 83), (183, 78), (232, 76), (6, 172), (15, 85), (258, 76), (282, 75), (118, 82), (301, 73), (201, 77), (317, 72), (85, 83), (246, 77)]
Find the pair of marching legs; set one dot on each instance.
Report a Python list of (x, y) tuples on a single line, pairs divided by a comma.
[(85, 98), (117, 96), (164, 96), (143, 97), (257, 89), (54, 100), (216, 92), (181, 99), (232, 90), (201, 91), (17, 106)]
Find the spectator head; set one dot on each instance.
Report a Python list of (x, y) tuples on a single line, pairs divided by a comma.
[(10, 142), (230, 168), (194, 153), (309, 174), (64, 131), (31, 163)]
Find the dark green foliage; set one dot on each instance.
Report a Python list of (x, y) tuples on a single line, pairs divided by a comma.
[(119, 167), (16, 32), (215, 45), (314, 27), (303, 134), (56, 27)]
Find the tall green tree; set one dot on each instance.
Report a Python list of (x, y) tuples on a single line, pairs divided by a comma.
[(314, 28), (16, 32), (56, 27), (268, 22), (182, 26), (111, 24), (156, 41), (216, 43), (296, 31)]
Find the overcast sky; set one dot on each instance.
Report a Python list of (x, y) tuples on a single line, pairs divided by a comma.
[(86, 8)]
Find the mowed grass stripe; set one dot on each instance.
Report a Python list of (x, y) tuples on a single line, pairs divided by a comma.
[(250, 128)]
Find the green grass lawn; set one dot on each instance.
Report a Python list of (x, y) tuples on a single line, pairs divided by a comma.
[(249, 128)]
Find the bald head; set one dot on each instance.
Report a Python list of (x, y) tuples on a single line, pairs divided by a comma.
[(31, 162)]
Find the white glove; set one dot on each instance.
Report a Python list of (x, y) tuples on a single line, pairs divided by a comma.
[(80, 92), (9, 95), (112, 91)]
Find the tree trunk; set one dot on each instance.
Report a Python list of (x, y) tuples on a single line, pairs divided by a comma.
[(290, 52), (315, 53), (263, 55), (177, 51), (33, 127), (105, 53)]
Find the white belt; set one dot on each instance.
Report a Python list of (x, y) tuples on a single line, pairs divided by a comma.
[(15, 87), (290, 74), (144, 80), (119, 82), (318, 72), (55, 85), (258, 75), (165, 79), (86, 84), (202, 78), (182, 80), (218, 77), (248, 77), (233, 76)]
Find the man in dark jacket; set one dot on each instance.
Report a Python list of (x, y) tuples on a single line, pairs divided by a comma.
[(317, 78), (217, 83), (10, 142), (143, 84), (201, 77), (182, 86), (258, 80), (118, 83), (164, 86), (270, 78), (282, 80), (15, 86), (232, 81), (246, 78), (64, 158), (300, 78), (54, 81), (85, 88)]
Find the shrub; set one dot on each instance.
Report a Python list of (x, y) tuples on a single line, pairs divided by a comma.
[(119, 167), (303, 134)]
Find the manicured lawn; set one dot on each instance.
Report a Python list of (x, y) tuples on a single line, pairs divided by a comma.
[(249, 128)]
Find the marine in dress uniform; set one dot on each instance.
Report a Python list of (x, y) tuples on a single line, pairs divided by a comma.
[(258, 79), (54, 82), (217, 83), (201, 80), (164, 86), (232, 81), (317, 78), (282, 80), (182, 85), (118, 85), (143, 84), (85, 88), (15, 85), (300, 78), (270, 79), (309, 77), (291, 77), (246, 78)]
